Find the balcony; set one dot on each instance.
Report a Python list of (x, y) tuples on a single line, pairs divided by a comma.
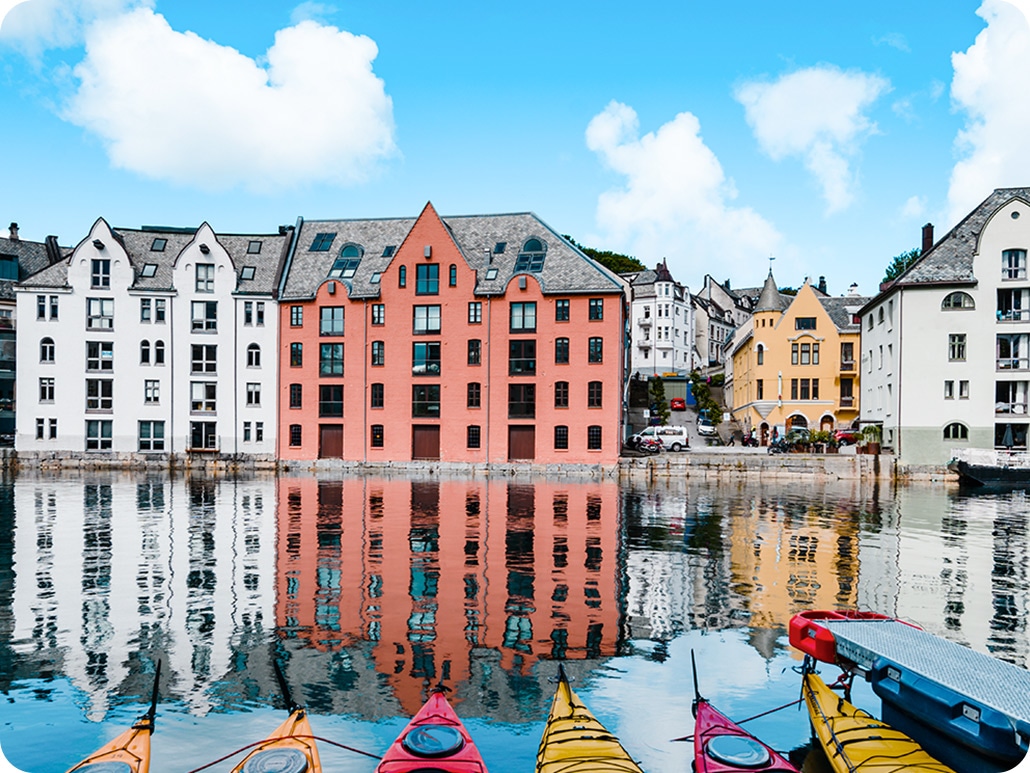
[(1013, 363), (847, 366), (1019, 408), (847, 402), (645, 321), (1013, 315)]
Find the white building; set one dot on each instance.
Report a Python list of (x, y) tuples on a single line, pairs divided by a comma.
[(175, 327), (946, 346), (661, 323)]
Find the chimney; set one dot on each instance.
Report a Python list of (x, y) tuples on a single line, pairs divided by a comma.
[(53, 251), (927, 238), (822, 285), (14, 232)]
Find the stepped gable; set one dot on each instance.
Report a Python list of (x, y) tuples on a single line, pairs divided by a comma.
[(951, 258)]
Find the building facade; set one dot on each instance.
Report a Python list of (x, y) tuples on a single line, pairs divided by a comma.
[(661, 323)]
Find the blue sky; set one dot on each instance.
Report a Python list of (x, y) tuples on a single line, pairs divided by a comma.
[(715, 135)]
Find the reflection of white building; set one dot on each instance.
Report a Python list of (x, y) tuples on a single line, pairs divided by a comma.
[(108, 566)]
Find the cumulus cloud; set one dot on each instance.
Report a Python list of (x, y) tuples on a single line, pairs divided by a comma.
[(915, 206), (894, 40), (675, 201), (989, 77), (35, 25), (172, 106), (819, 115)]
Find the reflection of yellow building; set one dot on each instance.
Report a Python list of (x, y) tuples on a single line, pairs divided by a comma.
[(795, 362)]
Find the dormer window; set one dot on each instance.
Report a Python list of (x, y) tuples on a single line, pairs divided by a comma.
[(248, 272), (322, 242), (499, 248), (389, 250), (491, 273), (531, 258), (345, 266), (158, 245)]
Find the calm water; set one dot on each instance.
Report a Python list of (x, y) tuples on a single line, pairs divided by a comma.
[(369, 589)]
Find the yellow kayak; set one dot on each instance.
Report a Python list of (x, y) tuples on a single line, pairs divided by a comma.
[(290, 749), (575, 742), (855, 742)]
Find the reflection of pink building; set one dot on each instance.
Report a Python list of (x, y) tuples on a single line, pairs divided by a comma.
[(434, 571)]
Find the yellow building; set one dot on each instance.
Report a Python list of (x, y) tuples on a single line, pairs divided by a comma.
[(795, 363)]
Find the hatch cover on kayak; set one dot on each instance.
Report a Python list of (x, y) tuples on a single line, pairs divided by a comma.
[(276, 761), (106, 767), (737, 750), (433, 741)]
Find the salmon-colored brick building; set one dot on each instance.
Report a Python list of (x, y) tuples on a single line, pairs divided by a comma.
[(492, 326)]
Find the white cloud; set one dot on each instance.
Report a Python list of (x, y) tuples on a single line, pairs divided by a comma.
[(894, 40), (311, 11), (35, 25), (988, 86), (175, 107), (817, 114), (914, 207), (675, 201)]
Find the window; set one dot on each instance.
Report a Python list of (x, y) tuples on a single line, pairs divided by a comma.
[(561, 310), (474, 393), (963, 390), (595, 390), (259, 313), (330, 400), (40, 427), (427, 279), (760, 354), (151, 391), (259, 431), (204, 316), (847, 356), (322, 242), (472, 436), (759, 389), (253, 394), (40, 310), (345, 266), (491, 273), (521, 358), (593, 438), (159, 352), (203, 358), (205, 278), (295, 435), (425, 359), (378, 438), (521, 401), (956, 431), (203, 396), (949, 390), (53, 429), (330, 320), (531, 258), (561, 394), (561, 351), (597, 308), (847, 395), (330, 360), (148, 271), (160, 304), (378, 314), (46, 350), (296, 396), (426, 320), (452, 276), (246, 432), (377, 396), (957, 347), (253, 356), (869, 319), (804, 323), (296, 316), (425, 400), (99, 355), (595, 350), (248, 313), (561, 438), (254, 247), (389, 250), (98, 435), (475, 312), (151, 436), (158, 245), (100, 273), (296, 355), (46, 390), (958, 300), (146, 310), (809, 354), (100, 313), (144, 352), (1013, 264), (99, 394), (804, 389), (378, 353), (523, 317), (475, 351), (402, 276), (879, 316)]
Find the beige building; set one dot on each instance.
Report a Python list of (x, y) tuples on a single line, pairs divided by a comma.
[(794, 362)]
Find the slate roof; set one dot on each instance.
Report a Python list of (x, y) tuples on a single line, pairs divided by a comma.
[(566, 270), (771, 299), (32, 258), (842, 310)]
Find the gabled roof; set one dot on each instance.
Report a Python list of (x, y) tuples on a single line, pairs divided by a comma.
[(842, 310), (32, 258)]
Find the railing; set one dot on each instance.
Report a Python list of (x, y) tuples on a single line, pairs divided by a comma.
[(847, 366), (1013, 315), (522, 367), (1013, 363), (1015, 407), (847, 402), (646, 343), (209, 445), (645, 321)]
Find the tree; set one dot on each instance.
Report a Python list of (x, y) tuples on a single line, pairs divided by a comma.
[(900, 263), (659, 405), (613, 261)]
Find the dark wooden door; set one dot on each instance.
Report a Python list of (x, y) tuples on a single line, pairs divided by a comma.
[(521, 443), (425, 441), (330, 441)]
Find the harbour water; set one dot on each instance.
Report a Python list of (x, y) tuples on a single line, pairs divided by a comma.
[(369, 590)]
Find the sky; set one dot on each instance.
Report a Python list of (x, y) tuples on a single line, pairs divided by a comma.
[(713, 135)]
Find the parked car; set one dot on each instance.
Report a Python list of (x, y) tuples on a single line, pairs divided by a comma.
[(678, 404), (846, 437), (672, 438), (705, 427)]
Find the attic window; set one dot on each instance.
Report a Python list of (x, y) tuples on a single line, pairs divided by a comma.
[(158, 245), (149, 269), (253, 247), (374, 279), (491, 273), (389, 250), (322, 242), (499, 248), (248, 271), (9, 267), (344, 268), (531, 258)]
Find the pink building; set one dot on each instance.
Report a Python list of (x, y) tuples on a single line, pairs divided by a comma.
[(492, 326)]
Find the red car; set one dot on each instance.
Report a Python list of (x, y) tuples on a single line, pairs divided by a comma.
[(678, 404), (845, 437)]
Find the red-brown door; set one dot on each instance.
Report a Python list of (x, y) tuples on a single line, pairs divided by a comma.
[(521, 443), (425, 441), (330, 441)]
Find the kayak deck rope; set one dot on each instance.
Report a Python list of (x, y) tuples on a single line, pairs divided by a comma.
[(756, 716), (298, 737)]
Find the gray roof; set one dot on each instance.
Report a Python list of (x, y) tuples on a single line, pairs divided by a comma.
[(32, 258), (842, 310), (771, 298)]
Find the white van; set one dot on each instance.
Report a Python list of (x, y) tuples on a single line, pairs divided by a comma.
[(673, 438)]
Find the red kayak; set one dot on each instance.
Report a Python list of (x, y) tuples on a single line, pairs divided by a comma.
[(435, 741)]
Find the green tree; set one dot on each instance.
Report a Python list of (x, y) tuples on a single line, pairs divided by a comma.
[(659, 405), (613, 261), (900, 263)]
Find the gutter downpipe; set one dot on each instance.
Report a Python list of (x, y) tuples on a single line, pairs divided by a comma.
[(280, 285)]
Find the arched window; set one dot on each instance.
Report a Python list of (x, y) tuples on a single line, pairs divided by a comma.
[(345, 266), (144, 352), (453, 280), (531, 257), (46, 350), (958, 300), (253, 356), (402, 276), (760, 354), (159, 352), (956, 431)]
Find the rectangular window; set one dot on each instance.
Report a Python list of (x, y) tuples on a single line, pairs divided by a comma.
[(205, 278), (805, 393), (806, 354), (296, 396), (475, 312), (793, 389), (794, 358), (202, 396), (378, 438), (963, 390), (804, 323), (426, 320), (847, 395), (475, 351), (523, 317), (521, 358), (151, 391), (957, 347), (99, 394), (295, 435), (296, 355), (378, 314), (561, 438), (204, 315), (425, 400), (597, 308), (472, 436), (425, 359), (427, 279), (815, 389), (322, 242), (40, 314), (521, 401), (146, 310), (46, 390), (378, 353), (595, 390), (561, 394), (595, 350), (561, 310), (202, 435), (40, 427), (815, 354), (53, 307), (594, 438), (330, 321), (296, 316), (248, 313), (847, 356), (100, 313), (259, 314), (98, 435), (203, 358), (561, 351), (253, 394), (259, 431), (53, 429), (246, 432), (759, 389), (473, 394), (949, 390), (100, 273), (1013, 264), (99, 355), (330, 400), (151, 436), (330, 360), (377, 396)]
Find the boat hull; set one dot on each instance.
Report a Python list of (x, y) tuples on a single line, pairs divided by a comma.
[(977, 475), (292, 737), (434, 740), (722, 746), (131, 748)]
